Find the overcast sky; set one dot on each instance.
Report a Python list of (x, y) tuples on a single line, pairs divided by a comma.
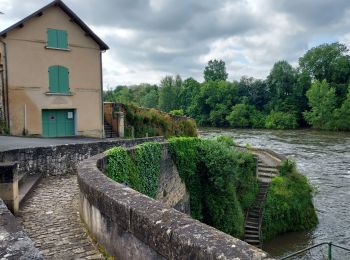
[(150, 39)]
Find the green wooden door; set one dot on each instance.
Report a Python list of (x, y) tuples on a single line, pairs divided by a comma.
[(58, 122)]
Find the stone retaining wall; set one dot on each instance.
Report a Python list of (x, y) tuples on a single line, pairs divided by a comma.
[(62, 159), (130, 225), (14, 242)]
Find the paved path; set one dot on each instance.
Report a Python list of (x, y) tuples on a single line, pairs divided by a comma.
[(13, 142), (50, 217)]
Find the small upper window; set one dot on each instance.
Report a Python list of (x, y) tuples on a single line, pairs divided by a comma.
[(57, 39), (58, 79)]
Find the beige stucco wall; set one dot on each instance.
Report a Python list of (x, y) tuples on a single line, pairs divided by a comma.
[(28, 63)]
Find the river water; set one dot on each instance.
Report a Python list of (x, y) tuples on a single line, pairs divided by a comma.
[(324, 157)]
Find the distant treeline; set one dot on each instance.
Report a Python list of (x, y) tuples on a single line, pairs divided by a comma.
[(315, 94)]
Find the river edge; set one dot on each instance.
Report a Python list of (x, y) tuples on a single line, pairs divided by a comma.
[(315, 152)]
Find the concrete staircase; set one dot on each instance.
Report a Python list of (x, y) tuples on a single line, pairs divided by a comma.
[(26, 184), (266, 171), (109, 133)]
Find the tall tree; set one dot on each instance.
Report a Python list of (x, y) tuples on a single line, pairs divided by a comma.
[(322, 100), (281, 81), (330, 62), (169, 93), (215, 70)]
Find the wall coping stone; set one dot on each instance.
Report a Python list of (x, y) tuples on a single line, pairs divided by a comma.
[(14, 242)]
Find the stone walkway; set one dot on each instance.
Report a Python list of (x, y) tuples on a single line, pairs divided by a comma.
[(51, 218)]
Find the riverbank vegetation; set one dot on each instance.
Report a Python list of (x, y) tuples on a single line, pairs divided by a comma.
[(141, 122), (314, 94), (288, 205), (221, 181)]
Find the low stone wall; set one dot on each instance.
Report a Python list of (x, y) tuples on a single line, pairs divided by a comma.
[(62, 159), (130, 225), (14, 243)]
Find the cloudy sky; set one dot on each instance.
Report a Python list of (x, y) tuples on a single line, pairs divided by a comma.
[(150, 39)]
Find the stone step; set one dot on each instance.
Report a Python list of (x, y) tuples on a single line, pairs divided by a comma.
[(252, 223), (250, 227), (267, 166), (264, 179), (251, 236), (252, 241), (26, 185), (251, 231), (254, 215)]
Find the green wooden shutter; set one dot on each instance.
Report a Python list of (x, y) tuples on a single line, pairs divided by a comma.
[(53, 79), (62, 39), (63, 79), (52, 38)]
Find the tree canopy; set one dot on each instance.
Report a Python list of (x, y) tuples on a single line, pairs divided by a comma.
[(215, 70), (315, 94)]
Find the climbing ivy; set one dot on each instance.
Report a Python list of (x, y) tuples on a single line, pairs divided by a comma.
[(147, 160), (122, 169), (288, 205), (139, 170), (213, 173)]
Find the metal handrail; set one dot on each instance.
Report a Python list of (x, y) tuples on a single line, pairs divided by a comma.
[(330, 245)]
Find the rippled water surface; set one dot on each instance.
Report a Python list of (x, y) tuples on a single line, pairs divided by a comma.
[(324, 157)]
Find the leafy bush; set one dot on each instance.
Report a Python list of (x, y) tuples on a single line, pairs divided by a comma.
[(287, 167), (225, 140), (122, 169), (177, 112), (281, 120), (240, 116), (212, 173), (288, 204), (147, 160)]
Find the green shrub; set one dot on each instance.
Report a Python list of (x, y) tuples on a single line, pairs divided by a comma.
[(213, 174), (147, 160), (288, 204), (122, 169), (281, 120), (225, 140), (287, 167), (177, 112)]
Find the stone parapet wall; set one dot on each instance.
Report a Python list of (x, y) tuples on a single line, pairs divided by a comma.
[(130, 225), (62, 159), (14, 242)]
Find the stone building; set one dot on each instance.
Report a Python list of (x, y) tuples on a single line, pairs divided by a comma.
[(51, 75)]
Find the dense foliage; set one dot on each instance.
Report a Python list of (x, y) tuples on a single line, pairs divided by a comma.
[(288, 204), (147, 160), (221, 181), (122, 169), (152, 122), (287, 94), (139, 170)]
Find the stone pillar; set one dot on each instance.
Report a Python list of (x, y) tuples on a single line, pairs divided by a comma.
[(9, 185), (121, 124)]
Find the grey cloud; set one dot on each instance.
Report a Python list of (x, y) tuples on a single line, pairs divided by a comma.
[(173, 36)]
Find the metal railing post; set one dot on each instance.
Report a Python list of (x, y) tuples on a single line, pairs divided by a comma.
[(330, 251)]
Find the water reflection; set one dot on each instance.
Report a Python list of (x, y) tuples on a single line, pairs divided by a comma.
[(324, 157)]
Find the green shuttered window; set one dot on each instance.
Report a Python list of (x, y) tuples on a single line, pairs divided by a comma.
[(58, 79), (57, 39)]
